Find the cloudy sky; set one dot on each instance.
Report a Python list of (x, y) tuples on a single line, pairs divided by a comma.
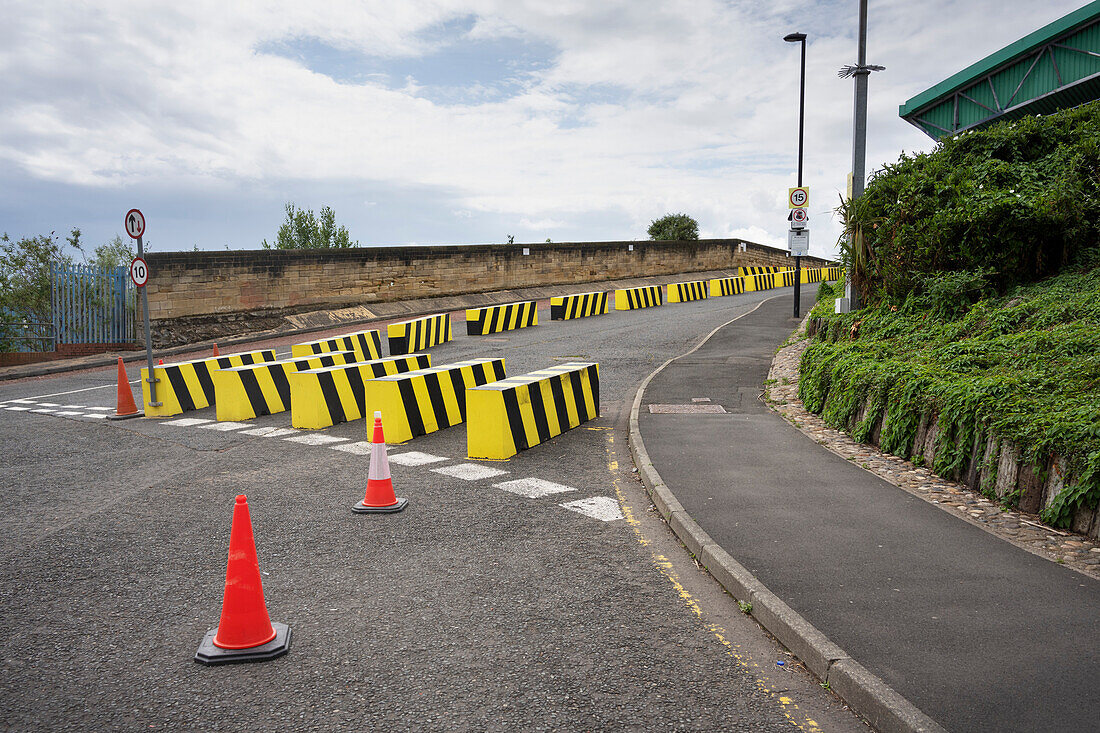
[(457, 121)]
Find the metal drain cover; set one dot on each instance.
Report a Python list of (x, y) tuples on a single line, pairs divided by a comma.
[(685, 409)]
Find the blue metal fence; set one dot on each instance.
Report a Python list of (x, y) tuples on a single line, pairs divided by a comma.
[(24, 331), (93, 305)]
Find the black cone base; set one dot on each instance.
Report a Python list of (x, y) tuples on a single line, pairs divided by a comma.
[(277, 647), (126, 417), (362, 508)]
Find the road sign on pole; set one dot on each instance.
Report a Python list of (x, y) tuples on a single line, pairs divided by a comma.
[(139, 272), (799, 218), (134, 223), (798, 242), (798, 198)]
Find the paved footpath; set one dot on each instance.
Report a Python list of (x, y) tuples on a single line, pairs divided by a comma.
[(977, 633)]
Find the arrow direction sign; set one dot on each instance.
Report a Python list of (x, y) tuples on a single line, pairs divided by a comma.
[(134, 223)]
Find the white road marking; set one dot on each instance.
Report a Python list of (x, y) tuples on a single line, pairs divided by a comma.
[(74, 391), (470, 471), (186, 422), (104, 409), (24, 402), (49, 404), (362, 448), (533, 488), (99, 416), (76, 407), (270, 432), (414, 458), (225, 427), (47, 411), (603, 508), (68, 413), (315, 439), (17, 409)]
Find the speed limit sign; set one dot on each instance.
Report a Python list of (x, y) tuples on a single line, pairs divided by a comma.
[(139, 272), (798, 198)]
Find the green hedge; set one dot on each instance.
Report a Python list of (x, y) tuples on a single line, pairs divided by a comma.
[(1024, 366)]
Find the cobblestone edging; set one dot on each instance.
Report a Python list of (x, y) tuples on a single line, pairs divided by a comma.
[(1024, 530)]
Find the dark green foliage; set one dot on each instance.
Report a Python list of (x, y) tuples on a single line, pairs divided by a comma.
[(1013, 202), (25, 290), (674, 227), (1024, 366), (305, 230), (117, 252)]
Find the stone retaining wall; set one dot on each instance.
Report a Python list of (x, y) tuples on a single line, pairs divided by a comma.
[(279, 282)]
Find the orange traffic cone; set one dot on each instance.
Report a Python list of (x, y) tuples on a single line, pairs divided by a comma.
[(245, 632), (380, 498), (160, 362), (216, 352), (125, 406)]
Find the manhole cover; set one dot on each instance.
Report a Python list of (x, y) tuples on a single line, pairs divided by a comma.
[(684, 409)]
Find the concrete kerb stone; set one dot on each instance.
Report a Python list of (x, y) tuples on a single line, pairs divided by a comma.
[(864, 692), (883, 708)]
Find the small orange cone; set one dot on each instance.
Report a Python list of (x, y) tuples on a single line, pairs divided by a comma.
[(125, 403), (380, 498), (216, 352), (160, 362), (245, 632)]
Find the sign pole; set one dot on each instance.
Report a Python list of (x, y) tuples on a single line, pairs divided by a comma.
[(148, 341)]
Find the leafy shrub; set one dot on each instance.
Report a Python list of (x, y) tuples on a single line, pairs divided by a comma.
[(1016, 201), (674, 227), (305, 230)]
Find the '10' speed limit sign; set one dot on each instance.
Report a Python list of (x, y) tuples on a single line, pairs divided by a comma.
[(139, 272)]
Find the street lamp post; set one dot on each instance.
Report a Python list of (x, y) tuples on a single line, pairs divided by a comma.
[(799, 38)]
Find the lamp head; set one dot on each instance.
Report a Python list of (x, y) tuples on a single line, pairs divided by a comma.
[(794, 37)]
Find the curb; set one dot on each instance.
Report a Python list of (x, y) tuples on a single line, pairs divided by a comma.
[(879, 704)]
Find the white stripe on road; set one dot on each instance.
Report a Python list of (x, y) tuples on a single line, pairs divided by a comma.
[(46, 411), (225, 426), (270, 432), (603, 508), (362, 448), (315, 439), (17, 409), (415, 458), (99, 416), (533, 488), (68, 413), (470, 471), (186, 422)]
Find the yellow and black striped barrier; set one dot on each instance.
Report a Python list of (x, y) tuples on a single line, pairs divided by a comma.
[(759, 270), (627, 299), (423, 401), (720, 286), (366, 344), (336, 394), (812, 275), (248, 391), (497, 318), (188, 385), (517, 413), (684, 292), (760, 281), (783, 278), (578, 305), (418, 334), (834, 273)]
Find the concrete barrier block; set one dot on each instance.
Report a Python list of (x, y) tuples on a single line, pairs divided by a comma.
[(248, 391), (514, 414), (330, 395), (505, 317), (366, 344), (579, 305), (634, 298), (419, 333), (685, 292), (188, 385)]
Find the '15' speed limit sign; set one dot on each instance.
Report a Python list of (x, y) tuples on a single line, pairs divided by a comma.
[(798, 198), (139, 272)]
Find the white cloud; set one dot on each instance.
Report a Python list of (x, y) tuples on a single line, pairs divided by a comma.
[(645, 107)]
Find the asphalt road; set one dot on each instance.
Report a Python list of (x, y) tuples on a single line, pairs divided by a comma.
[(478, 608), (979, 634)]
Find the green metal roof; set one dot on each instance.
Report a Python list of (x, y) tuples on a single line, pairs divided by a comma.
[(1055, 67)]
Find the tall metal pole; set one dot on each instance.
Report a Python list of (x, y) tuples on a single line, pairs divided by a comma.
[(801, 126), (859, 133), (152, 378)]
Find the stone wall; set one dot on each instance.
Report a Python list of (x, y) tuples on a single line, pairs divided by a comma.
[(186, 284)]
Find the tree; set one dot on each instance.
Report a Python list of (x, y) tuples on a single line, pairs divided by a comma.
[(25, 288), (674, 227), (305, 230), (116, 253)]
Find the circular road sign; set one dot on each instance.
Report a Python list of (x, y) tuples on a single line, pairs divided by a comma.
[(134, 223), (799, 197), (799, 216), (139, 272)]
